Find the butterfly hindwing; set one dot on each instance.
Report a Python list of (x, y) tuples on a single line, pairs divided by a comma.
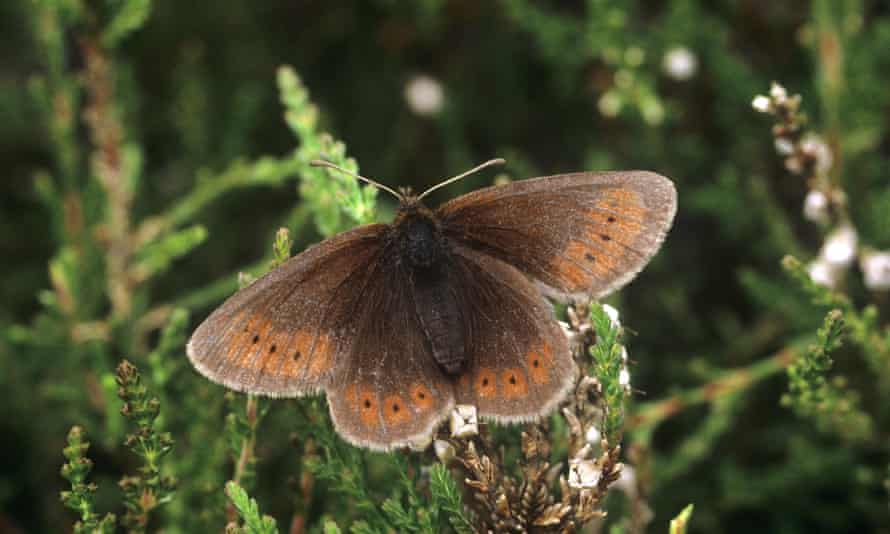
[(582, 234), (519, 364), (284, 334), (389, 392)]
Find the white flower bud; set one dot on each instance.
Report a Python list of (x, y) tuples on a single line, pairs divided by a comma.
[(627, 481), (464, 422), (784, 146), (839, 248), (593, 436), (815, 206), (624, 377), (583, 474), (613, 315), (444, 450), (680, 63), (815, 147), (876, 270), (823, 273), (778, 93), (762, 104), (424, 95)]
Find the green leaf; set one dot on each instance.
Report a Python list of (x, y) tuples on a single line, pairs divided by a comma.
[(679, 523), (249, 512), (129, 16), (607, 365), (447, 497)]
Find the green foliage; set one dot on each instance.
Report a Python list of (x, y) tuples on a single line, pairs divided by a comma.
[(331, 194), (149, 489), (127, 16), (446, 497), (80, 497), (811, 394), (249, 512), (607, 365), (681, 522)]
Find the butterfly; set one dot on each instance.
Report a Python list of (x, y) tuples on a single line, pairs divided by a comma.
[(398, 323)]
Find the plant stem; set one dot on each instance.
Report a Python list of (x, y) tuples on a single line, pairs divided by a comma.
[(731, 382)]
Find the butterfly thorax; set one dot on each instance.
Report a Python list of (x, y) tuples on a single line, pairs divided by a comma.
[(425, 252), (419, 236)]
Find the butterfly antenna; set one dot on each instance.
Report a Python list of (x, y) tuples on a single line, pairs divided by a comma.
[(477, 168), (378, 185)]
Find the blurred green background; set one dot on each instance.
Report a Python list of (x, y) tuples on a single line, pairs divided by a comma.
[(144, 144)]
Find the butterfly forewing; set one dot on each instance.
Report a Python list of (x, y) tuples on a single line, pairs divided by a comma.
[(390, 392), (285, 334), (518, 361), (582, 234)]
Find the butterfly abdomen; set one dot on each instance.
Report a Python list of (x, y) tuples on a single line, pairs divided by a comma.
[(439, 315)]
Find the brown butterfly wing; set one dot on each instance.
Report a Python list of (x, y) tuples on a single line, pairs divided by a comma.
[(389, 392), (285, 334), (582, 234), (519, 366)]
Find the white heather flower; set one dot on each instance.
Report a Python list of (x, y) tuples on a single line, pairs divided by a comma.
[(778, 93), (784, 146), (680, 63), (839, 248), (464, 422), (583, 474), (424, 95), (814, 146), (624, 377), (876, 270), (794, 165), (762, 104), (444, 450), (623, 355), (815, 206), (627, 481), (824, 273), (593, 436), (613, 315)]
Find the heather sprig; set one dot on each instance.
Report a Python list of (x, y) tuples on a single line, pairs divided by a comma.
[(608, 363), (80, 497), (248, 511), (149, 488), (331, 194), (829, 402)]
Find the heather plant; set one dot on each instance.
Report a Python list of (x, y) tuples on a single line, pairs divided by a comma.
[(158, 158)]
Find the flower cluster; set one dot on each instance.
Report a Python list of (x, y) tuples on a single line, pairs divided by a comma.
[(807, 155)]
